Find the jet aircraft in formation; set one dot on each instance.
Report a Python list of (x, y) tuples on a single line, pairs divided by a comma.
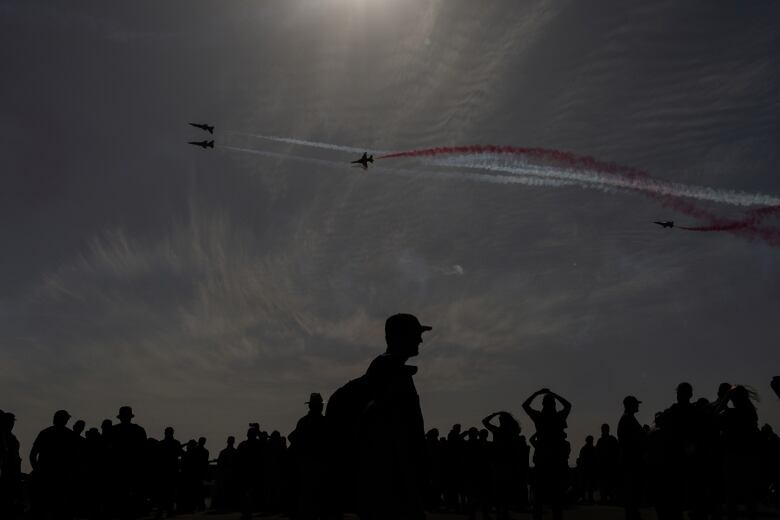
[(364, 160), (203, 126), (665, 223), (205, 143)]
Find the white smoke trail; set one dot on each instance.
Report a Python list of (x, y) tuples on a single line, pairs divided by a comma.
[(311, 144), (600, 180), (531, 180)]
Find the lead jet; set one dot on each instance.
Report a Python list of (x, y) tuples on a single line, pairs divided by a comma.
[(202, 144), (203, 126), (665, 223), (364, 160)]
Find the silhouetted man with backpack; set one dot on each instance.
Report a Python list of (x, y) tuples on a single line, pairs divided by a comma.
[(378, 434)]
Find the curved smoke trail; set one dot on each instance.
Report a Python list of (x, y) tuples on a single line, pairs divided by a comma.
[(590, 172), (582, 169)]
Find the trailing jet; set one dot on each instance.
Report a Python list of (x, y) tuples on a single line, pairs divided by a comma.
[(203, 126), (203, 144), (665, 223), (364, 160)]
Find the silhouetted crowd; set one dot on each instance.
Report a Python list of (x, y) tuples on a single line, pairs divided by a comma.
[(367, 453)]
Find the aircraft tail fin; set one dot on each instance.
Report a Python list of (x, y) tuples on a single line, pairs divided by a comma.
[(210, 144)]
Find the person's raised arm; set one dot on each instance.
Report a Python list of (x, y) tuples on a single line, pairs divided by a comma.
[(527, 403), (487, 424), (566, 404)]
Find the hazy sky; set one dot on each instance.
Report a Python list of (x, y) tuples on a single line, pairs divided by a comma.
[(211, 288)]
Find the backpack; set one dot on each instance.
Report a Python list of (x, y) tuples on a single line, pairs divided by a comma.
[(347, 403), (343, 415)]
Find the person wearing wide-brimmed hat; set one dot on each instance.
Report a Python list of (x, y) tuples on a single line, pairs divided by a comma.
[(128, 443), (308, 444), (631, 440)]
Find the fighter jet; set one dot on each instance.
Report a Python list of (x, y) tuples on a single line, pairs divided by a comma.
[(203, 126), (665, 223), (364, 160), (203, 144)]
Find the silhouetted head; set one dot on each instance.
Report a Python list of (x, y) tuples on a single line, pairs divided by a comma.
[(589, 440), (125, 414), (631, 404), (432, 434), (79, 426), (106, 425), (741, 397), (315, 404), (252, 433), (191, 444), (483, 434), (403, 334), (702, 402), (723, 390), (548, 403), (92, 434), (684, 393), (168, 433), (456, 428), (231, 441), (61, 418), (604, 430), (473, 434), (767, 431)]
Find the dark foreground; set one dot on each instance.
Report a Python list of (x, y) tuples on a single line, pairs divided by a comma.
[(576, 513)]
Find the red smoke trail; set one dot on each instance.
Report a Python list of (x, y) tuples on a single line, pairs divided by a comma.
[(746, 227)]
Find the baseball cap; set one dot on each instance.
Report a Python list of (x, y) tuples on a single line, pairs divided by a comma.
[(404, 324), (631, 399)]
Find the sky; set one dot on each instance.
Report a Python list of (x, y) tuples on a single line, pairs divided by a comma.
[(212, 288)]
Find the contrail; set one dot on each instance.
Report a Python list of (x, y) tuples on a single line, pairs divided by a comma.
[(597, 178), (311, 144), (587, 171), (580, 169), (471, 177), (275, 155)]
